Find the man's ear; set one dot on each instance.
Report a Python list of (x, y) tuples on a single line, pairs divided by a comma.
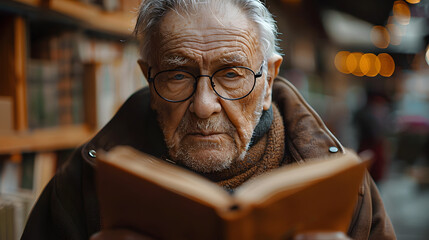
[(273, 66), (144, 67)]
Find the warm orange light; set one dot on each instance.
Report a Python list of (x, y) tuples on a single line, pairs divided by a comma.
[(340, 61), (413, 1), (352, 63), (387, 64), (380, 37), (401, 12), (370, 65)]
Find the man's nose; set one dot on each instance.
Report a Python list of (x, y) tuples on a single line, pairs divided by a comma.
[(205, 102)]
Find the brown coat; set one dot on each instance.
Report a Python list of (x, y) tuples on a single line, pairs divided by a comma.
[(68, 207)]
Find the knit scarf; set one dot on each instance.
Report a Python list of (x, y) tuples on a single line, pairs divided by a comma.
[(263, 156)]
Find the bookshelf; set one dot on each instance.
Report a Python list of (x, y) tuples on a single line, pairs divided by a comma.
[(45, 139), (66, 66), (86, 15), (114, 22), (13, 66), (14, 30)]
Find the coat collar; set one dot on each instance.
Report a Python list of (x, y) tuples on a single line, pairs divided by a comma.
[(307, 137), (135, 125)]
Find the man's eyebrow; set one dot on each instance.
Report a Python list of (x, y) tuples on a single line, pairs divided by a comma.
[(176, 60), (233, 58), (225, 59)]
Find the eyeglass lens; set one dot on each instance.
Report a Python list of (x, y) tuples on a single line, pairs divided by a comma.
[(229, 83)]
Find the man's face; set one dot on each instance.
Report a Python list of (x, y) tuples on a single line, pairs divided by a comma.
[(207, 133)]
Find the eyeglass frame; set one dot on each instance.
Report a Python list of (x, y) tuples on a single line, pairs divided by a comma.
[(255, 76)]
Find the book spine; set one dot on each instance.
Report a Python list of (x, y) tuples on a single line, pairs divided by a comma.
[(6, 109), (34, 94), (44, 170), (238, 223), (64, 60)]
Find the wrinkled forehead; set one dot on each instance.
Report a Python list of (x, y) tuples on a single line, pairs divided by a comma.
[(221, 31)]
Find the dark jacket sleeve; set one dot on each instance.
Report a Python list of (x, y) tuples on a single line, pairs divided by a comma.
[(370, 219), (60, 212)]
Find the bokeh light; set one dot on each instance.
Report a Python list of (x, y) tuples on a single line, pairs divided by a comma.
[(387, 64), (370, 65), (340, 61), (380, 37), (401, 12), (413, 1), (352, 62), (367, 64)]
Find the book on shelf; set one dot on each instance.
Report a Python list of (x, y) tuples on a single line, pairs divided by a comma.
[(31, 172), (6, 220), (27, 170), (64, 52), (112, 68), (14, 209), (57, 77), (6, 108), (42, 94), (105, 76), (16, 195), (45, 166), (165, 201), (10, 172), (55, 81)]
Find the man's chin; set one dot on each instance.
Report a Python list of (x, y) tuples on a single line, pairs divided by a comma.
[(206, 160)]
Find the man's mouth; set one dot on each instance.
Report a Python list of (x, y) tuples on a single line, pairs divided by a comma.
[(205, 133), (206, 136)]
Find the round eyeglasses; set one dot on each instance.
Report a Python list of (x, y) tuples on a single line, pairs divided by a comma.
[(230, 83)]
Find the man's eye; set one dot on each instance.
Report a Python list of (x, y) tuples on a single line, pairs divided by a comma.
[(231, 75), (179, 77)]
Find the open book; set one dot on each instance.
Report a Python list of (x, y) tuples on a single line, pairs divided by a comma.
[(159, 199)]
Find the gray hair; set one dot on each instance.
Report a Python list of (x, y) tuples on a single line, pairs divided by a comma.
[(151, 12)]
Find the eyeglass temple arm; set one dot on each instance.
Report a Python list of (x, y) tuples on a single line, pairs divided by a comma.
[(149, 79), (259, 74)]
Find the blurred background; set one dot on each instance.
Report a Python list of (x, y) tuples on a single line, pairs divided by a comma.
[(67, 65), (364, 66)]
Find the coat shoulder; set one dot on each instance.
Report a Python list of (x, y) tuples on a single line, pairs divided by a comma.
[(60, 211)]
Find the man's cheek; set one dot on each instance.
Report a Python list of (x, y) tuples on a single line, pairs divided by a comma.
[(243, 123), (171, 113)]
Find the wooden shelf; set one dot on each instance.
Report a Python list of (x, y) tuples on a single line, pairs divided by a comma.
[(45, 139), (114, 22), (91, 17), (14, 29)]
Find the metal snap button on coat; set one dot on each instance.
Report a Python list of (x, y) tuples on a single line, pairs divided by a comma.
[(92, 153), (333, 149)]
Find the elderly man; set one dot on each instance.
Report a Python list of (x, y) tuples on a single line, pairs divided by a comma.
[(212, 69)]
